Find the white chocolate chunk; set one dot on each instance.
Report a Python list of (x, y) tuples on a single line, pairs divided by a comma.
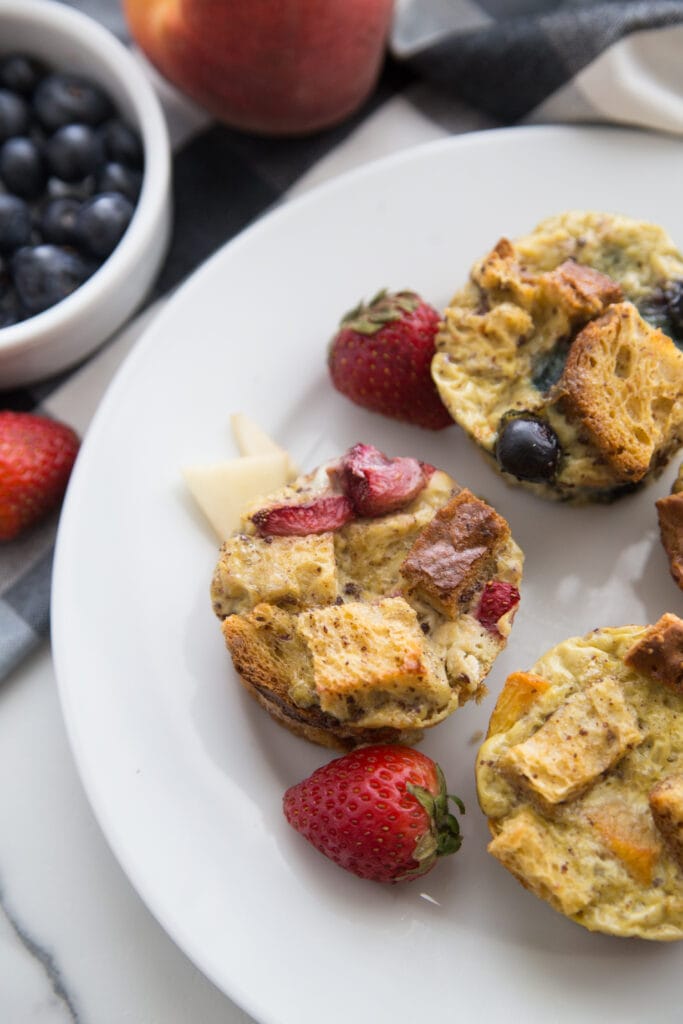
[(222, 489), (251, 439)]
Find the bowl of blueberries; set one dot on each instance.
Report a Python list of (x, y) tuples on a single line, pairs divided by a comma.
[(85, 188)]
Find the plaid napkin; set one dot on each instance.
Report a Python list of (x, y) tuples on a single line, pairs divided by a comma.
[(458, 65)]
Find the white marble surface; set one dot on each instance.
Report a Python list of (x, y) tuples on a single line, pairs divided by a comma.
[(76, 942)]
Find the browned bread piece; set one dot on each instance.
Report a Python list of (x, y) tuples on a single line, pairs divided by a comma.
[(454, 552), (670, 516), (666, 805), (329, 632), (267, 651), (658, 653), (582, 291), (622, 385)]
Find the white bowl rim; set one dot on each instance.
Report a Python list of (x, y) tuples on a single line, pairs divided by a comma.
[(52, 14)]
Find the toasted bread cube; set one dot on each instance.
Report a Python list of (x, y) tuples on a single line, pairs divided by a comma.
[(268, 655), (587, 734), (296, 571), (454, 552), (499, 272), (525, 846), (666, 805), (670, 516), (521, 690), (630, 837), (623, 384), (659, 652), (581, 291), (370, 654)]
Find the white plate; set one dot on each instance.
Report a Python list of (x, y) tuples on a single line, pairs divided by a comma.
[(184, 771)]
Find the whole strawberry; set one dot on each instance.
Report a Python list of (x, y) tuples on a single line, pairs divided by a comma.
[(381, 356), (36, 458), (380, 812)]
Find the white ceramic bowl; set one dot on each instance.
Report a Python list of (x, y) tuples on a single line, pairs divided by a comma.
[(64, 334)]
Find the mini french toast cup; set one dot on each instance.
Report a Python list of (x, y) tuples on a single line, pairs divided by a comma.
[(366, 601), (561, 356)]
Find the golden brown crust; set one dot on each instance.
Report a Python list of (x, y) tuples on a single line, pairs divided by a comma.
[(658, 653), (582, 291), (454, 552), (670, 516), (254, 642), (666, 805), (623, 385)]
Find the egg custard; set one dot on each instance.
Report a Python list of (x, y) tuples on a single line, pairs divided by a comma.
[(581, 779), (366, 601), (561, 356)]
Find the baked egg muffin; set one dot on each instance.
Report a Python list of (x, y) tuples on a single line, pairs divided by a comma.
[(581, 779), (367, 600), (561, 356)]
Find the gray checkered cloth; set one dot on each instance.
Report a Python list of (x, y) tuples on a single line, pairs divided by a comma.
[(462, 64)]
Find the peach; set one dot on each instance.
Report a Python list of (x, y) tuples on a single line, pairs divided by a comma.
[(275, 67)]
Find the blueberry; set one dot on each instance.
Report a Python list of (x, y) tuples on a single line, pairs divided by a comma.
[(675, 309), (528, 448), (663, 309), (116, 177), (73, 152), (14, 115), (22, 168), (20, 73), (15, 223), (101, 222), (64, 99), (122, 144), (45, 274), (10, 308), (58, 189), (58, 222)]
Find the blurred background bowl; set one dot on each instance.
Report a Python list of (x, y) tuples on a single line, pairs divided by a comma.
[(67, 41)]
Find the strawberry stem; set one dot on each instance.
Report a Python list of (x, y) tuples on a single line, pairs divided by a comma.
[(445, 826), (384, 308)]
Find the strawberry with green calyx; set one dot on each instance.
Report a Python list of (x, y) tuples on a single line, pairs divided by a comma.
[(381, 356), (380, 812), (36, 458)]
